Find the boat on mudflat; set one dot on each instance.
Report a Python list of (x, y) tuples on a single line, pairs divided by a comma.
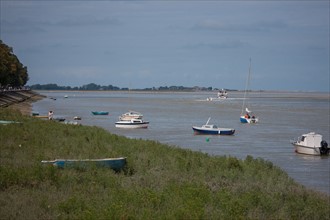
[(212, 129), (311, 144), (100, 113), (114, 163), (133, 123)]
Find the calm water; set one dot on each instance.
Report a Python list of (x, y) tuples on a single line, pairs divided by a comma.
[(283, 117)]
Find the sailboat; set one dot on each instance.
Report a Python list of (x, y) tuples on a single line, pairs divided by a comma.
[(247, 117)]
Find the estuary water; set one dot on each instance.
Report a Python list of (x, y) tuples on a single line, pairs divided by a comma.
[(283, 116)]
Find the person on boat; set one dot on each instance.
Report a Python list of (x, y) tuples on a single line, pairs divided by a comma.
[(247, 115), (50, 115)]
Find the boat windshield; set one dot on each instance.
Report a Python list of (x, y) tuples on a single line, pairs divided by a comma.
[(302, 138)]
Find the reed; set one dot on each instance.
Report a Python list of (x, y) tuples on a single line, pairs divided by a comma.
[(159, 182)]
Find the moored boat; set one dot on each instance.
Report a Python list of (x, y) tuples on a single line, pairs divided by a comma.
[(311, 144), (100, 113), (212, 129), (114, 163), (246, 118), (133, 123), (222, 94)]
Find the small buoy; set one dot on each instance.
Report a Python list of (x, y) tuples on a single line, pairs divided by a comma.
[(207, 139)]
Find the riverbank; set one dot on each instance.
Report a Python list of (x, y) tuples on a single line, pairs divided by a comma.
[(160, 181), (20, 100)]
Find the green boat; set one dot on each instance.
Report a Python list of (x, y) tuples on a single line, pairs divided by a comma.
[(100, 113), (114, 163)]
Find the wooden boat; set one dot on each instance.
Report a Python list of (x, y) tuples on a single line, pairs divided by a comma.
[(212, 129), (40, 116), (133, 123), (100, 113), (114, 163), (311, 144)]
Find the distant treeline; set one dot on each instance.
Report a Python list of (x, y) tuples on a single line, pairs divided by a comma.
[(93, 86)]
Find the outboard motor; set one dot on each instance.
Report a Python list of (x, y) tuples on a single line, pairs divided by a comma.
[(324, 150)]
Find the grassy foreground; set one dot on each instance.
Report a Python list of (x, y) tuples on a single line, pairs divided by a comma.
[(159, 182)]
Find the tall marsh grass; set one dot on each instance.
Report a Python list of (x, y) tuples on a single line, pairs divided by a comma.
[(159, 182)]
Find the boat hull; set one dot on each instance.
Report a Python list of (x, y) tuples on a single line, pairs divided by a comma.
[(220, 131), (130, 125), (100, 113), (114, 163), (307, 150), (248, 120)]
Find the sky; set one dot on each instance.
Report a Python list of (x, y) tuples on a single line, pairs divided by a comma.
[(144, 44)]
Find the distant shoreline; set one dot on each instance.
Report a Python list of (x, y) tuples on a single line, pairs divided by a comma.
[(253, 94)]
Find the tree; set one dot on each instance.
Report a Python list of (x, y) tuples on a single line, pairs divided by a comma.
[(12, 71)]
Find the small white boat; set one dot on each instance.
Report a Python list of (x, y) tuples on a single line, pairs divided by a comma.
[(130, 115), (133, 123), (247, 118), (223, 94), (212, 129), (311, 144)]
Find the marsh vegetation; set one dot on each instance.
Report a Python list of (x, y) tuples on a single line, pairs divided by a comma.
[(159, 181)]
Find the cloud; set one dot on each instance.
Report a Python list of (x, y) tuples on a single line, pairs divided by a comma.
[(87, 21), (232, 44), (21, 26), (262, 26)]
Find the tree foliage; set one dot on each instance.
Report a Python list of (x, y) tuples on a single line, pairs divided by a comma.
[(12, 71)]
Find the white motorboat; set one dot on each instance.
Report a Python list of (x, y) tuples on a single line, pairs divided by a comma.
[(311, 144), (130, 115), (222, 94), (133, 123)]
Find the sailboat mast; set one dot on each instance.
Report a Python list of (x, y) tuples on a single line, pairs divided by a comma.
[(246, 87)]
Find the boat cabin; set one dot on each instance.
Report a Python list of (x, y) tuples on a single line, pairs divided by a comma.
[(311, 140), (210, 126)]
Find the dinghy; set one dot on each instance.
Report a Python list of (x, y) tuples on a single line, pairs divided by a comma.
[(114, 163)]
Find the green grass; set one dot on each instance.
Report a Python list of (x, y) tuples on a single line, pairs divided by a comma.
[(159, 182)]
